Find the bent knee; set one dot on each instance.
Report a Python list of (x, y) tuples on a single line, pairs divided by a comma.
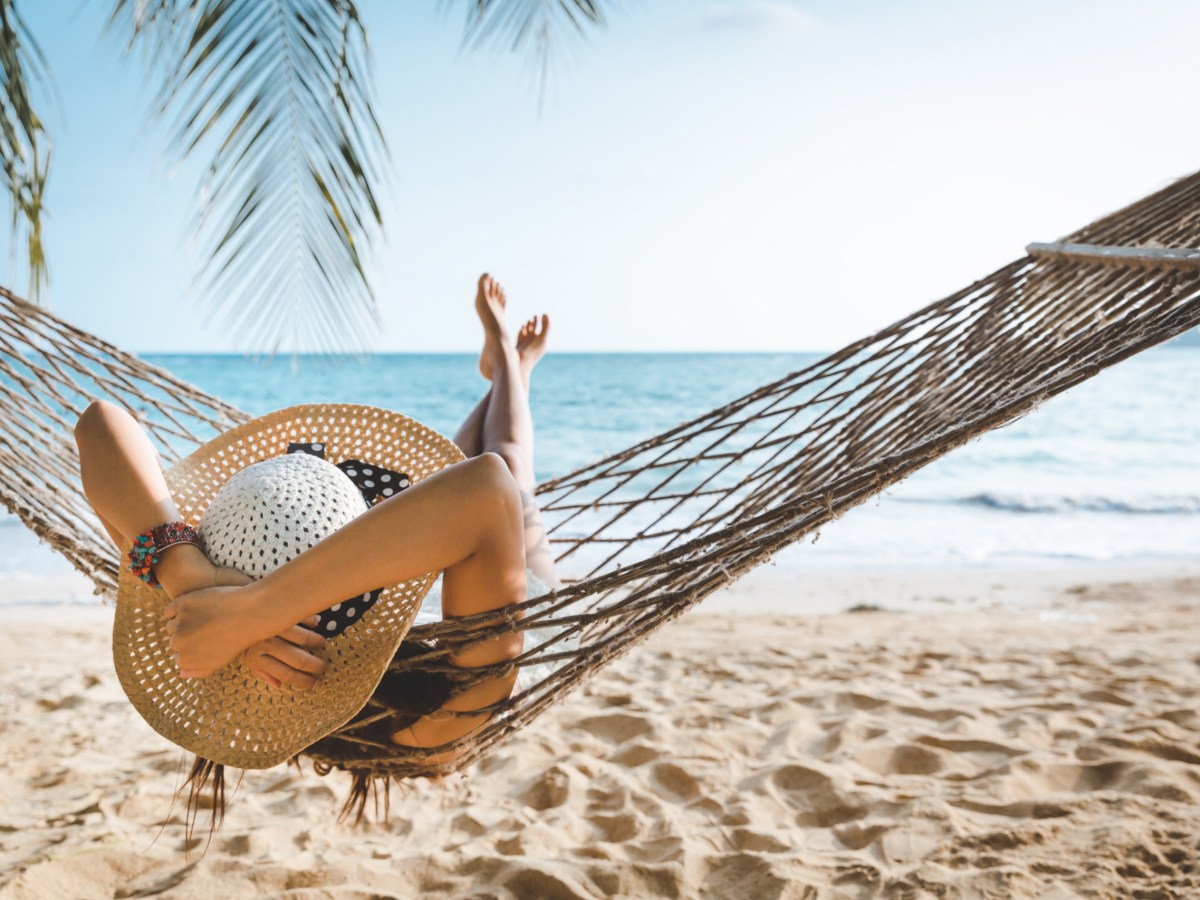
[(496, 483), (493, 467), (99, 418), (513, 458)]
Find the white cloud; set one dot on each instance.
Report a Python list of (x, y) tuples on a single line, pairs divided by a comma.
[(773, 15)]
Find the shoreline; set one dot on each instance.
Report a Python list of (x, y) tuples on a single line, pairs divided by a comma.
[(1032, 584), (789, 589)]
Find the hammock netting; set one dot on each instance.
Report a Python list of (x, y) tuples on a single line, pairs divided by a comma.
[(644, 534)]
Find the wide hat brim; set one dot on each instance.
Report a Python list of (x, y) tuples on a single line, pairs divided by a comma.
[(232, 717)]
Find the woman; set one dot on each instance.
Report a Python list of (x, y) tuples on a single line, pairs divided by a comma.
[(476, 521)]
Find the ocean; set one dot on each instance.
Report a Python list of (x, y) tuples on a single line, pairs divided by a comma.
[(1109, 471)]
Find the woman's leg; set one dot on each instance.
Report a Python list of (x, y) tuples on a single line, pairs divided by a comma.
[(469, 437), (508, 432), (531, 345), (505, 428), (502, 422)]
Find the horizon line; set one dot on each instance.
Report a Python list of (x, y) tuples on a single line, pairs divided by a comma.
[(351, 354)]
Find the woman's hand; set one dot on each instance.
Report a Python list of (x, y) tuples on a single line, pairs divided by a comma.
[(288, 658), (184, 568), (209, 627)]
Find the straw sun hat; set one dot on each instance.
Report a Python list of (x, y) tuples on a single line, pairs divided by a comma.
[(261, 494)]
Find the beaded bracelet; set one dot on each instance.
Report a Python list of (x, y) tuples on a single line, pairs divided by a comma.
[(149, 545)]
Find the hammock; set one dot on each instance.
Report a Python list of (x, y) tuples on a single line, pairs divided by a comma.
[(652, 530)]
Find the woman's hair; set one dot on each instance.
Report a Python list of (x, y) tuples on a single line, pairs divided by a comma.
[(402, 697), (204, 771)]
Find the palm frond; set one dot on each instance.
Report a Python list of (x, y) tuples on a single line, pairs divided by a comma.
[(24, 145), (154, 24), (281, 92), (533, 26)]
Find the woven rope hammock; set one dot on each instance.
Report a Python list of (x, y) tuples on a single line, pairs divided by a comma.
[(651, 531)]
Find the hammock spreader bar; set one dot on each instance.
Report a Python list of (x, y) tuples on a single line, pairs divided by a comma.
[(1157, 257)]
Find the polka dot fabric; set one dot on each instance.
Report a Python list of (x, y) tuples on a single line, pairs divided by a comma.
[(231, 717), (374, 483), (271, 512)]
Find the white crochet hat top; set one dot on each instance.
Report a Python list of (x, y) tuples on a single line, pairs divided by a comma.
[(272, 511)]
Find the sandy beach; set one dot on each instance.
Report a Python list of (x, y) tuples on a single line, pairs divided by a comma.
[(1019, 735)]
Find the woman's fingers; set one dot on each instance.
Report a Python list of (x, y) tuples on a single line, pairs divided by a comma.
[(261, 673), (294, 657), (284, 673), (285, 659), (211, 628), (302, 637)]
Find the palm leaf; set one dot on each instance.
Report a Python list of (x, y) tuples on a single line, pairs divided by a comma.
[(532, 26), (280, 91), (24, 144)]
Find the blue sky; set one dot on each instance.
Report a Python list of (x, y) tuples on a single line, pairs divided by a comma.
[(703, 175)]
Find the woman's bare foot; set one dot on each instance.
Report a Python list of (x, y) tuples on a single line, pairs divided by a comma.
[(490, 304), (531, 343)]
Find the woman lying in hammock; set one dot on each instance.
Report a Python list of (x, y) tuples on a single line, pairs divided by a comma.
[(476, 521)]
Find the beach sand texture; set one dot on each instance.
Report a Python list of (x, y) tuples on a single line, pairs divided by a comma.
[(955, 751)]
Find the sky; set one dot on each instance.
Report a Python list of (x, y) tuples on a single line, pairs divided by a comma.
[(741, 175)]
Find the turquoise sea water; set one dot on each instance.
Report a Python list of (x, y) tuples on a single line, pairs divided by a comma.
[(1109, 471)]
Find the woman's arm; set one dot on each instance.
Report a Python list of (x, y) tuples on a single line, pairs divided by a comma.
[(465, 520), (123, 481)]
